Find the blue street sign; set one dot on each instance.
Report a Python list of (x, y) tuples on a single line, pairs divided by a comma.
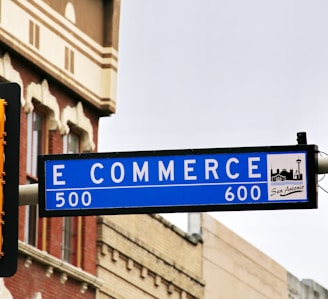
[(181, 180)]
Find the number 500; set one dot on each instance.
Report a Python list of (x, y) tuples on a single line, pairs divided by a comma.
[(73, 199)]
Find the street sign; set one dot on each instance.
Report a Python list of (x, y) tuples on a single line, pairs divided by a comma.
[(257, 178)]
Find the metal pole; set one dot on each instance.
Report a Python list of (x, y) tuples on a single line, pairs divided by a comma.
[(322, 165), (28, 195)]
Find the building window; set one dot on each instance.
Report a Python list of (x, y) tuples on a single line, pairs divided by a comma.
[(35, 143), (69, 244), (72, 226), (34, 34), (36, 125), (31, 226), (71, 143), (69, 60)]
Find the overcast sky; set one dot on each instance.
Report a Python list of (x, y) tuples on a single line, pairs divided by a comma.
[(216, 73)]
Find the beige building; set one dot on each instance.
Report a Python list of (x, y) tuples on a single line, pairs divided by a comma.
[(233, 268), (145, 256)]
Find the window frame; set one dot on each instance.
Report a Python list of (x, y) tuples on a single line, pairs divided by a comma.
[(71, 249), (36, 144)]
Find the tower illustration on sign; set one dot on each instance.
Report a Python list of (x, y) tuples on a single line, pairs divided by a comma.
[(284, 175)]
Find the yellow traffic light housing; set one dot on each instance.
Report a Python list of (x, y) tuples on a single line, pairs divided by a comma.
[(2, 164), (9, 176)]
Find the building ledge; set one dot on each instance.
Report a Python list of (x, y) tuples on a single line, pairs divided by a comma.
[(55, 264), (195, 239)]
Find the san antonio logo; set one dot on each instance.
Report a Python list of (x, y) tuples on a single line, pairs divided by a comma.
[(286, 175)]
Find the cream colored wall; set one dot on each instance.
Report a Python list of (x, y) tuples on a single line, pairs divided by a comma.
[(233, 268)]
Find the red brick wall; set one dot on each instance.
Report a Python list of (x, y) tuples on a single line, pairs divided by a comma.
[(89, 228), (28, 281)]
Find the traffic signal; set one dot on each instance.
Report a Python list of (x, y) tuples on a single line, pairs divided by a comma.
[(9, 176)]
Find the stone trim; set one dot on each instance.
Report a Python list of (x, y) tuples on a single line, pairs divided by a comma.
[(52, 263), (41, 93), (8, 72), (101, 61), (194, 239), (158, 280), (106, 247), (75, 115)]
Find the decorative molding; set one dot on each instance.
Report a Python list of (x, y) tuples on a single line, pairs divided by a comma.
[(28, 262), (144, 272), (63, 278), (37, 295), (8, 72), (170, 288), (41, 93), (103, 220), (75, 115), (103, 249), (98, 88), (157, 280), (42, 257), (129, 264), (84, 287), (49, 271), (115, 255)]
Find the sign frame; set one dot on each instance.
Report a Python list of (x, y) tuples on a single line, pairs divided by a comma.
[(311, 153)]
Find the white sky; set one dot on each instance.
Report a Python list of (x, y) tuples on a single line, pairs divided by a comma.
[(217, 73)]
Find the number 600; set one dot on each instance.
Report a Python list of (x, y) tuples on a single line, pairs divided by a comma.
[(242, 193)]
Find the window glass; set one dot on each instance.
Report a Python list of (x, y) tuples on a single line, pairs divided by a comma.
[(36, 128), (71, 143), (67, 251), (35, 146), (71, 233)]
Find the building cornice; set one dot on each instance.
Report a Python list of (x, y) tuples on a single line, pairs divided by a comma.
[(93, 77), (52, 263)]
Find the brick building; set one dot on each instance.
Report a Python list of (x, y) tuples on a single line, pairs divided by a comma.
[(63, 54)]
